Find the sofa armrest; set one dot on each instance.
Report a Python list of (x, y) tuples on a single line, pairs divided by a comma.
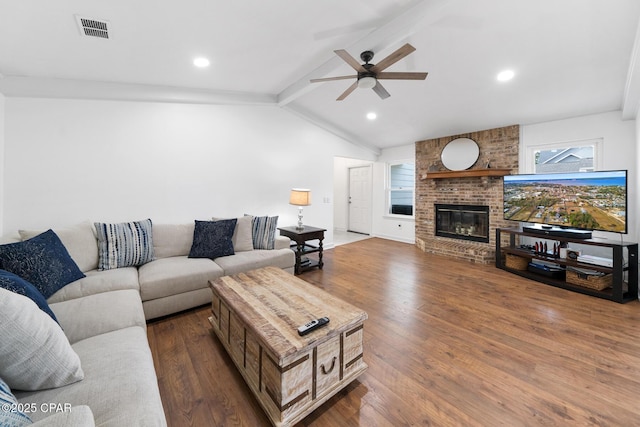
[(282, 242)]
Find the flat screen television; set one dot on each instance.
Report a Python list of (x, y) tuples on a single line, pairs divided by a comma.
[(581, 200)]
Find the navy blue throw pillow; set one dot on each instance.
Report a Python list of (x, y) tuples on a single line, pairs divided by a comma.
[(18, 285), (212, 239), (42, 261)]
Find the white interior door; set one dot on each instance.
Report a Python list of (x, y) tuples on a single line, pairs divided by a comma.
[(360, 199)]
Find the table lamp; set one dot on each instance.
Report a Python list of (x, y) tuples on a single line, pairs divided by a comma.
[(300, 197)]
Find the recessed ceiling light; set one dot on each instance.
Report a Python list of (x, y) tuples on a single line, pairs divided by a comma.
[(201, 62), (505, 75), (372, 116)]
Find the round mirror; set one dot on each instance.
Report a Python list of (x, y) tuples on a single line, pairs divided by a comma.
[(460, 154)]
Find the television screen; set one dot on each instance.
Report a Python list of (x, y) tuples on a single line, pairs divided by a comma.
[(586, 200)]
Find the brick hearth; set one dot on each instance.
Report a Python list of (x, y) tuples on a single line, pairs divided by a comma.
[(499, 149)]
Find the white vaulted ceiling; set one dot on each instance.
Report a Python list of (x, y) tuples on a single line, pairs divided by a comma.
[(570, 58)]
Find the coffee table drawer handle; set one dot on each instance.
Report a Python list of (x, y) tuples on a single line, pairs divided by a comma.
[(333, 365)]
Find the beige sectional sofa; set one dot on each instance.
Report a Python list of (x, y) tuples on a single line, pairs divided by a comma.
[(172, 282), (103, 316)]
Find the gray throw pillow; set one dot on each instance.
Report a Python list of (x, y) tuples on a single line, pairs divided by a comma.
[(35, 353)]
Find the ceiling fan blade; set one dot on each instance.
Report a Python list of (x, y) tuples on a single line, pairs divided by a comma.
[(381, 91), (401, 76), (393, 58), (348, 91), (350, 60), (328, 79)]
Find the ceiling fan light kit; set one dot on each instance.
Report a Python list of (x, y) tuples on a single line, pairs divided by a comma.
[(367, 82), (369, 74)]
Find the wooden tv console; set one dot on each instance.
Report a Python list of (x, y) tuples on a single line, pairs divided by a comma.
[(509, 240)]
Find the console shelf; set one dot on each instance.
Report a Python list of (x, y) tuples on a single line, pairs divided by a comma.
[(620, 291)]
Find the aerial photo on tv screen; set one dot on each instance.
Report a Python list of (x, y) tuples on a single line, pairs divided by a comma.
[(589, 200)]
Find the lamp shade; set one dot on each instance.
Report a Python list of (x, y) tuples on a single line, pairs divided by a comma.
[(300, 197)]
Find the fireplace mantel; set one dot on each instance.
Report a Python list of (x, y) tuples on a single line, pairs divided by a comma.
[(467, 173)]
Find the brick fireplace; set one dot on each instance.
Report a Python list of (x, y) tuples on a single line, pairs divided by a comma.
[(499, 150)]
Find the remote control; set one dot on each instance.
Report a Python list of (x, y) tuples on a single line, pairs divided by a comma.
[(314, 324)]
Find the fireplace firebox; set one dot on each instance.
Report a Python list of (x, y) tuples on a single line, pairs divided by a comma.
[(465, 222)]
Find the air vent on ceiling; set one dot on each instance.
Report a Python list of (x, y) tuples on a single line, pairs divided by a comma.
[(91, 27)]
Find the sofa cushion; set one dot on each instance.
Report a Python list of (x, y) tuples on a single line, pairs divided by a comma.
[(264, 231), (172, 239), (11, 414), (164, 306), (243, 234), (125, 244), (212, 239), (79, 240), (35, 354), (13, 283), (244, 261), (120, 383), (96, 314), (75, 416), (170, 276), (42, 260), (96, 282)]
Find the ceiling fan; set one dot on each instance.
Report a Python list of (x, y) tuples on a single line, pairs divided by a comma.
[(369, 74)]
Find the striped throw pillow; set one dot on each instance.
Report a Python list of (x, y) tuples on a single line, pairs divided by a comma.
[(264, 232), (11, 412), (126, 244)]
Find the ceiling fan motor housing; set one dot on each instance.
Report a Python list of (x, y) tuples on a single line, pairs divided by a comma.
[(366, 56), (367, 83), (366, 74)]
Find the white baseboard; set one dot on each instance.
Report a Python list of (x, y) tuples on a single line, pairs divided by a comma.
[(396, 238)]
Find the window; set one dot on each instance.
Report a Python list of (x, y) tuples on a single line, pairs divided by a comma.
[(575, 156), (401, 188)]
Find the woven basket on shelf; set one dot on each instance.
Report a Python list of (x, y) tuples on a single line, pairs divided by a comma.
[(516, 262), (589, 281)]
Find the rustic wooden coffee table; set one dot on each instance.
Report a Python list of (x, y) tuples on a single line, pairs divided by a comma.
[(256, 315)]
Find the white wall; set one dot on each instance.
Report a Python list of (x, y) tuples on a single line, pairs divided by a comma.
[(394, 227), (636, 168), (619, 150), (72, 160), (2, 132)]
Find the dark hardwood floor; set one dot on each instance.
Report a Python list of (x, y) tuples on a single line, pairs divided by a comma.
[(448, 343)]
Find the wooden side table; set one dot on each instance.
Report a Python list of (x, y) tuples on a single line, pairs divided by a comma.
[(301, 237)]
